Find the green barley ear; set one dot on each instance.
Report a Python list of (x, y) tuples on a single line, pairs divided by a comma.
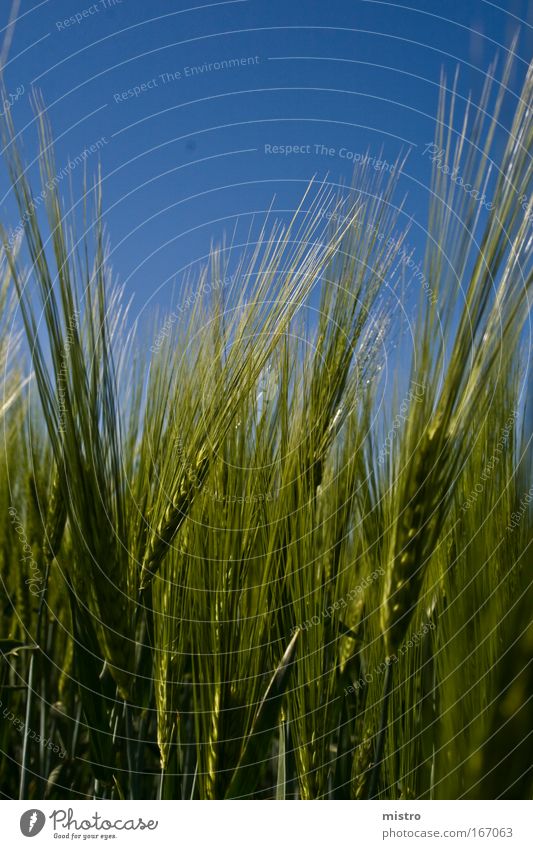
[(417, 528), (76, 382), (56, 519), (258, 319), (478, 346), (176, 512), (167, 594)]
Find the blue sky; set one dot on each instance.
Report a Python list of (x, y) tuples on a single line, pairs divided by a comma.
[(187, 149)]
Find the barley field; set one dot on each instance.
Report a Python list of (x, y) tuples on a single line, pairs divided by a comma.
[(275, 544)]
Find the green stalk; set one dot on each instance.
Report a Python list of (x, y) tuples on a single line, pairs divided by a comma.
[(382, 732), (29, 689)]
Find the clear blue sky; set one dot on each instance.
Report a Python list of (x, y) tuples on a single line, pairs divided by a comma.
[(184, 155)]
